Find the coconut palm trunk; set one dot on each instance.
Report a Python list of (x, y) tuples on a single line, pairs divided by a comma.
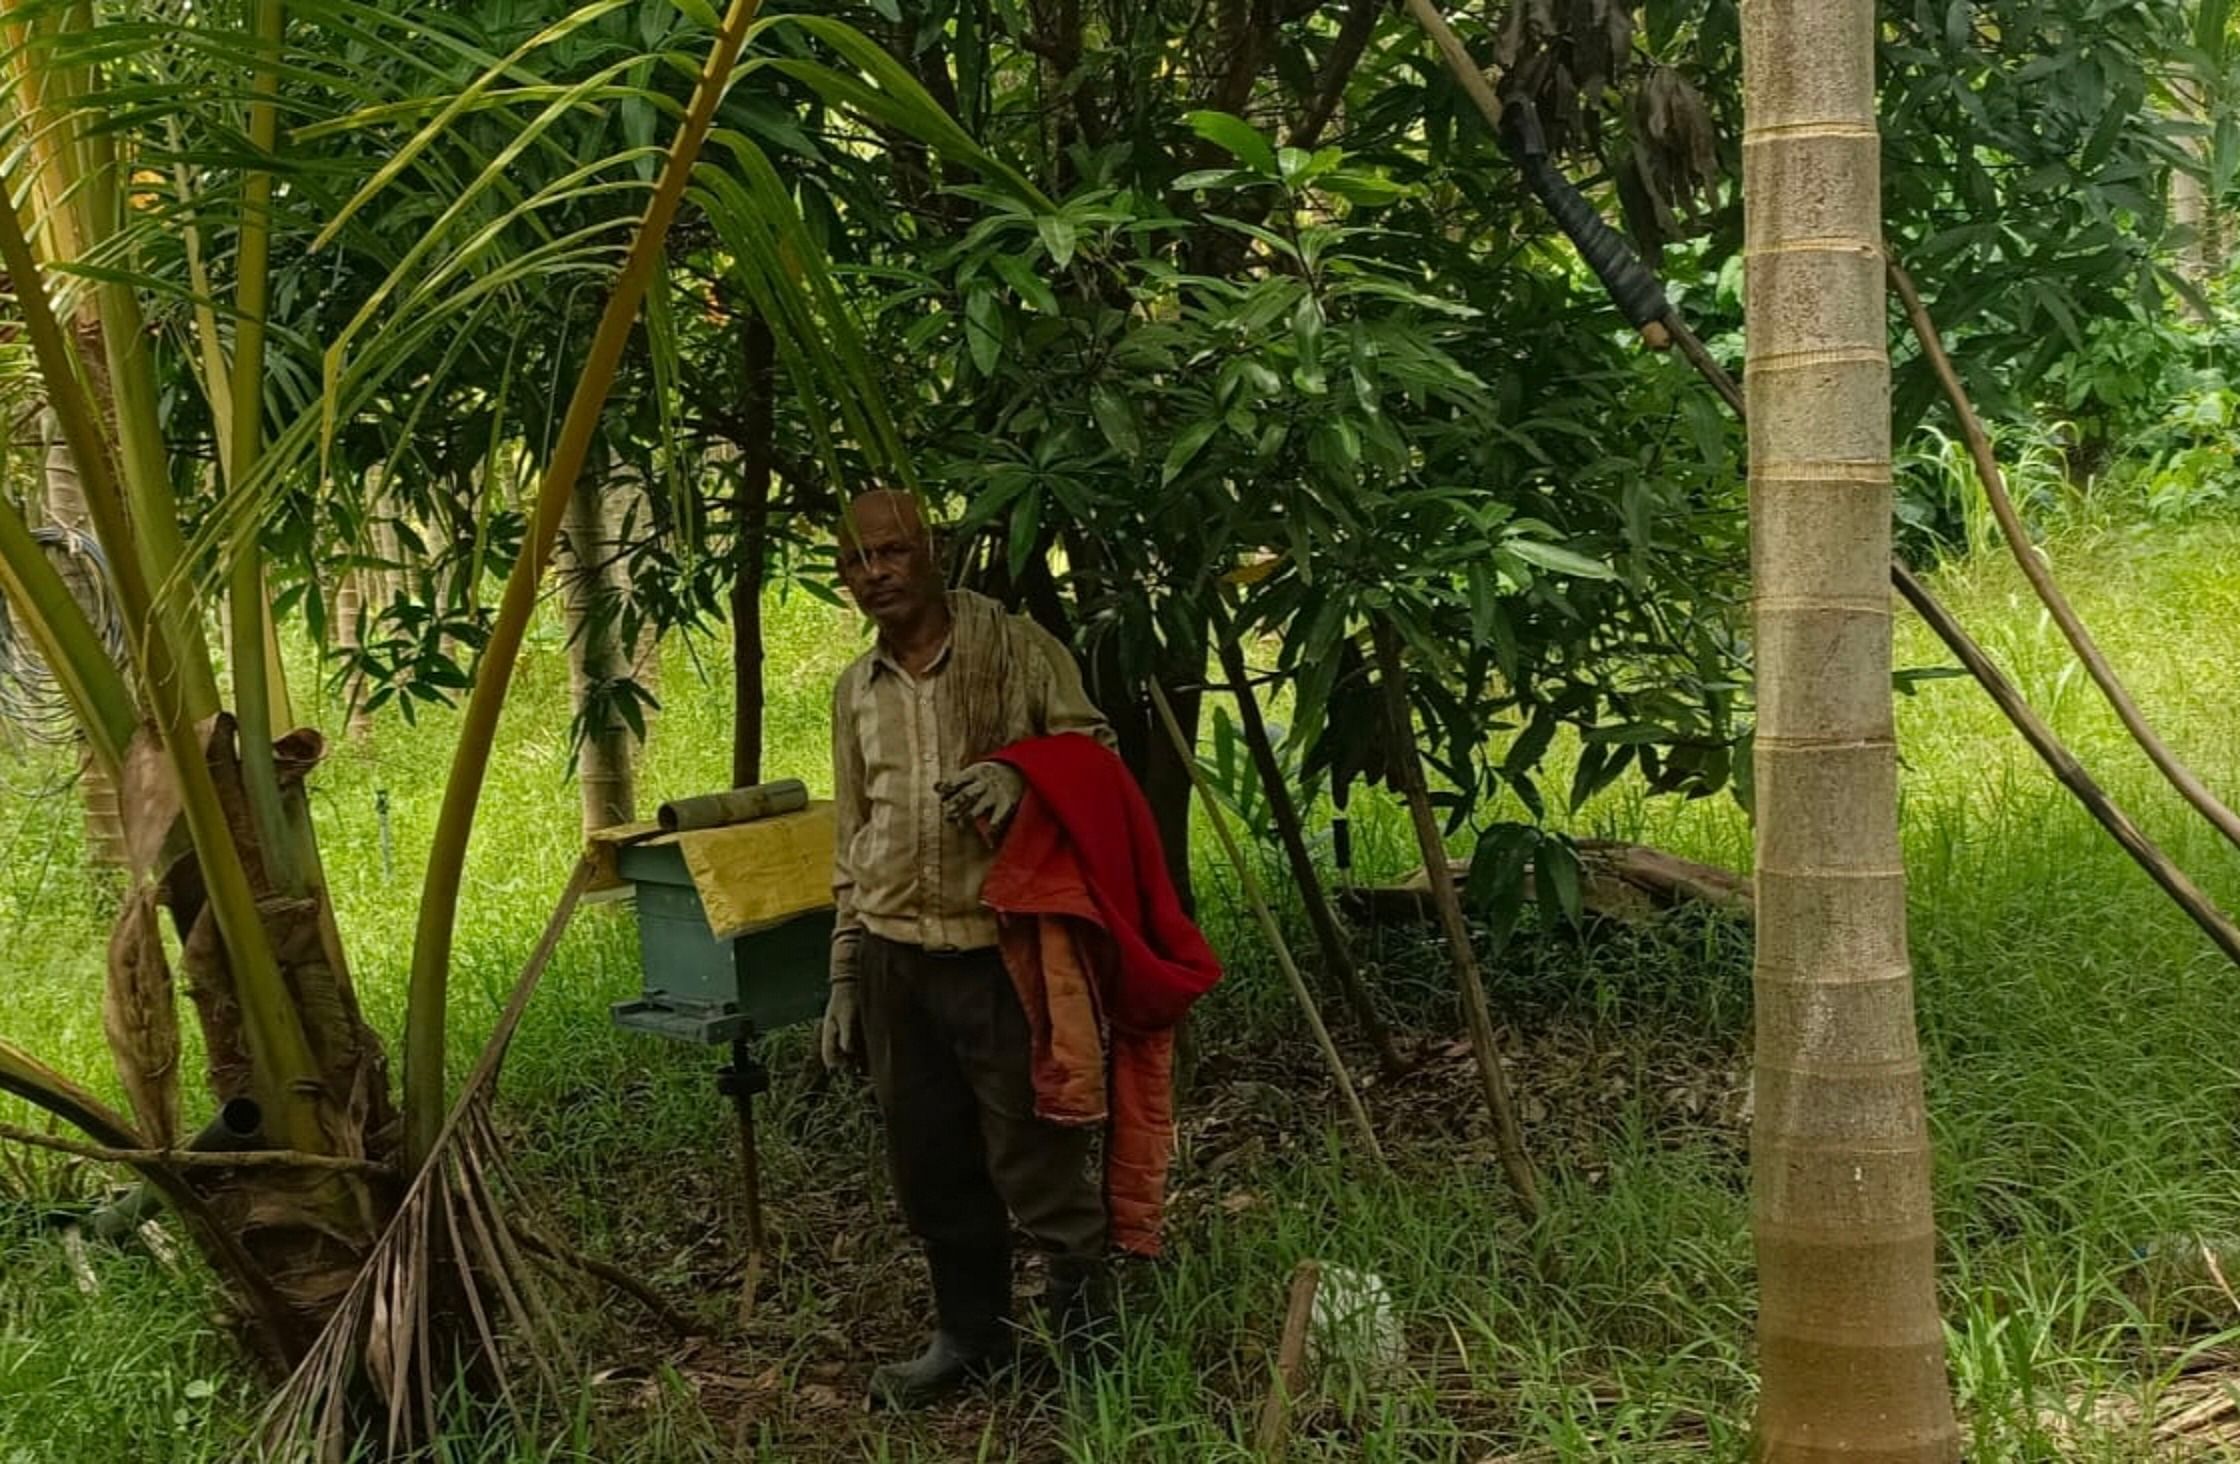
[(590, 597), (1851, 1351), (758, 449), (631, 517), (66, 508)]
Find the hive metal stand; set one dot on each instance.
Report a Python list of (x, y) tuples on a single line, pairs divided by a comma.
[(707, 993)]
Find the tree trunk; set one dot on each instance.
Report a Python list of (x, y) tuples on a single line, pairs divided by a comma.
[(1851, 1352), (1150, 754), (2193, 210), (66, 508), (453, 583), (589, 597), (302, 1235), (383, 585), (349, 638), (630, 522), (757, 457)]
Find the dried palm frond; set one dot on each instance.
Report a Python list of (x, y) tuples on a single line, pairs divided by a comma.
[(447, 1289)]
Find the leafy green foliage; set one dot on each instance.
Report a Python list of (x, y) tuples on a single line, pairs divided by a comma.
[(1153, 290)]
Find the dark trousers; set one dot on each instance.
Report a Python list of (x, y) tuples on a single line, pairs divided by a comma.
[(950, 1062)]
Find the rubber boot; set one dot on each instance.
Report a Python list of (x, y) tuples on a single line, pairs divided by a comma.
[(972, 1309), (1076, 1307)]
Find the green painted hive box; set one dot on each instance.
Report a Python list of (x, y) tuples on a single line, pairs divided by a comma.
[(702, 989)]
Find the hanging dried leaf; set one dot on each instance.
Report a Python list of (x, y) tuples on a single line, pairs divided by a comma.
[(140, 1017), (1648, 222), (1675, 140), (1567, 57), (149, 799)]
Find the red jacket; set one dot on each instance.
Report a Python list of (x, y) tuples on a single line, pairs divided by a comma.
[(1105, 962)]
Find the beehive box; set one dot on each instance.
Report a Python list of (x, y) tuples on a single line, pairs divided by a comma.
[(704, 990)]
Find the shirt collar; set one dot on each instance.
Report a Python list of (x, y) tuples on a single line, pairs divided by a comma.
[(881, 661)]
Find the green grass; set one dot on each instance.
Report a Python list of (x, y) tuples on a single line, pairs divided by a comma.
[(2078, 1033)]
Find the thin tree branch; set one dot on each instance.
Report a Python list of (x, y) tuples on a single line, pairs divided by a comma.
[(1250, 884), (191, 1159), (554, 1251), (1485, 1044), (2066, 769), (1346, 51), (1337, 952)]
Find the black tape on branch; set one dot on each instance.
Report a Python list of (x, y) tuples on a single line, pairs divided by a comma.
[(1639, 297)]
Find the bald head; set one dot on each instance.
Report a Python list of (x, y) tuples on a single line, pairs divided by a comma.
[(887, 561), (882, 509)]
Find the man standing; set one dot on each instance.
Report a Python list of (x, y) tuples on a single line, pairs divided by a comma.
[(919, 987)]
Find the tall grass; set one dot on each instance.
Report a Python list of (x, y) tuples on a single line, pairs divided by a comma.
[(2083, 1088)]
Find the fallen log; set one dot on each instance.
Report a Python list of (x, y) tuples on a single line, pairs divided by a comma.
[(1617, 881)]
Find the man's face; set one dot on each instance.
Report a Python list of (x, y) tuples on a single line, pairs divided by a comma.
[(886, 559)]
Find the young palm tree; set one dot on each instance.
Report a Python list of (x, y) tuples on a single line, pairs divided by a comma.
[(162, 177), (1850, 1347)]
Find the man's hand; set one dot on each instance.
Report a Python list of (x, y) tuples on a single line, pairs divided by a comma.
[(840, 1034), (985, 792)]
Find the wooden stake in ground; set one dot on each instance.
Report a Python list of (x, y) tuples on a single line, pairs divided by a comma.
[(2017, 535), (740, 1082), (1289, 1375), (2071, 774), (1337, 951), (1850, 1348), (1258, 900), (1485, 1044)]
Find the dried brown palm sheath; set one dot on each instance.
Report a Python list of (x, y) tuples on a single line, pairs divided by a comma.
[(515, 1263), (419, 1257), (2017, 534), (473, 1293), (308, 1411), (516, 1298)]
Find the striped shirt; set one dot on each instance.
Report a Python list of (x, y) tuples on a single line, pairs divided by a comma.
[(900, 870)]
